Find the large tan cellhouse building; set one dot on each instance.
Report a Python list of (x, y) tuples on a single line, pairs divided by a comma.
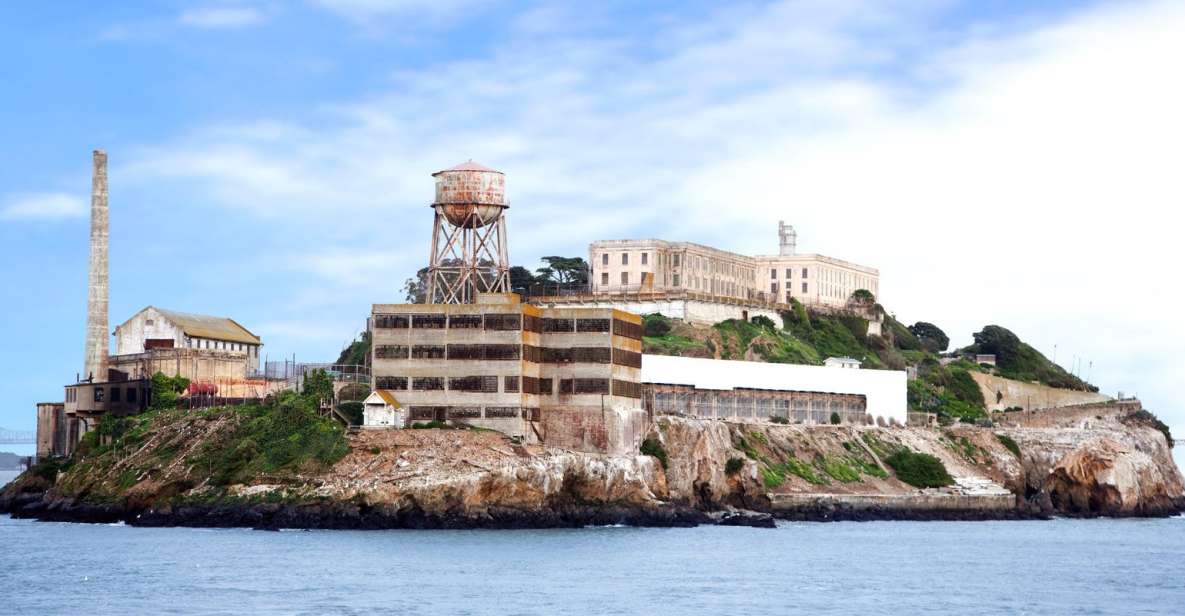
[(651, 265)]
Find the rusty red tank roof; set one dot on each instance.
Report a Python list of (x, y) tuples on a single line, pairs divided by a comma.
[(468, 165)]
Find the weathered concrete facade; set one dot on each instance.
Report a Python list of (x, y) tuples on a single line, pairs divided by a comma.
[(51, 429), (502, 364), (154, 329), (95, 362)]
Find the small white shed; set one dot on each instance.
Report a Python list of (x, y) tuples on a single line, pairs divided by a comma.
[(382, 410), (842, 362)]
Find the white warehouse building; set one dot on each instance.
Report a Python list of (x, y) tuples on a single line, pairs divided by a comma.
[(726, 389)]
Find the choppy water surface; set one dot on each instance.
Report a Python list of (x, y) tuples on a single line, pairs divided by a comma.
[(1062, 567)]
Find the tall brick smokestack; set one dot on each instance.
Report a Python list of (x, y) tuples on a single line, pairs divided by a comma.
[(96, 290)]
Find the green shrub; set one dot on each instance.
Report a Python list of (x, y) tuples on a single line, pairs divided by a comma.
[(840, 469), (919, 469), (835, 419), (733, 466), (166, 390), (655, 325), (778, 419), (794, 466), (651, 447), (375, 451), (1009, 443), (772, 477), (352, 411), (763, 322)]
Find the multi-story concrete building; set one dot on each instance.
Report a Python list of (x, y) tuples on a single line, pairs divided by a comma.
[(526, 371), (659, 266), (156, 328)]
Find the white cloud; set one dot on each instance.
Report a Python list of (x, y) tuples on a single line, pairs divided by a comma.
[(44, 206), (1024, 177), (221, 17)]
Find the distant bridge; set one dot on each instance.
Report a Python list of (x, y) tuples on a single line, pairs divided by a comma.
[(17, 437)]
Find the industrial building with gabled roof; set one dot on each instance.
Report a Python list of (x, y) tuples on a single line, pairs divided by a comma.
[(155, 327)]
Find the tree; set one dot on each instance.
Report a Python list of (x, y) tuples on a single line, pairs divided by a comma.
[(763, 321), (521, 278), (318, 385), (996, 340), (835, 418), (863, 297), (563, 270), (166, 390), (933, 339), (415, 290)]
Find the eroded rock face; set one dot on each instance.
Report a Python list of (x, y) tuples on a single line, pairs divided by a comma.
[(1106, 477)]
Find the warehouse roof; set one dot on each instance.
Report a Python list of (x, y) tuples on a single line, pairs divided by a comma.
[(204, 326)]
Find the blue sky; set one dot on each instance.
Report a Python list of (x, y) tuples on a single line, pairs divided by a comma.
[(999, 162)]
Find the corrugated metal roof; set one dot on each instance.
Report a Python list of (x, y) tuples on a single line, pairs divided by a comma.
[(884, 390), (214, 328), (469, 165)]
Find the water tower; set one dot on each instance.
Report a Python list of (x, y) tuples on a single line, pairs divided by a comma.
[(469, 235)]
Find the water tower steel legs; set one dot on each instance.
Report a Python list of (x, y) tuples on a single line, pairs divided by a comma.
[(467, 259)]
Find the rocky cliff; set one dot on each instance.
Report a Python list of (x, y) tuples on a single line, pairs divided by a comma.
[(1104, 462)]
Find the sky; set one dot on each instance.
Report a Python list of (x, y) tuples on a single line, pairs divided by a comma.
[(1010, 163)]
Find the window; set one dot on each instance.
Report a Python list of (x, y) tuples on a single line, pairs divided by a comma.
[(604, 258), (625, 258), (592, 325), (482, 384), (645, 256), (428, 383), (496, 412), (559, 325), (631, 359), (530, 385), (625, 278), (425, 351), (604, 278), (675, 260), (773, 287), (627, 389), (391, 351), (390, 382), (115, 394), (504, 322), (788, 272), (510, 384), (149, 322), (427, 321), (804, 272), (627, 329), (675, 281), (804, 287), (464, 321), (545, 387), (773, 274), (98, 394), (132, 395), (391, 321)]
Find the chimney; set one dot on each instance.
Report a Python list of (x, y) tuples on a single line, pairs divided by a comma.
[(96, 292)]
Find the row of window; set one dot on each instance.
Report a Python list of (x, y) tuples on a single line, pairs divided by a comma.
[(510, 384), (117, 394), (202, 343), (507, 322), (442, 413), (773, 273), (511, 352), (773, 288)]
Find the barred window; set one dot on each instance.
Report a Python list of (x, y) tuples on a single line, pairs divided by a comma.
[(545, 387), (391, 351), (510, 384), (502, 351), (627, 329), (592, 386), (531, 414), (464, 321), (565, 386), (627, 389), (591, 355), (427, 321), (530, 385), (532, 323), (559, 325), (391, 321), (630, 359), (498, 412), (428, 413), (464, 412), (532, 353), (551, 355), (504, 322), (427, 383), (592, 325), (465, 351), (390, 382), (427, 351), (484, 384)]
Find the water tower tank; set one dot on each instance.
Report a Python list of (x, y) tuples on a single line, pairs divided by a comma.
[(470, 195)]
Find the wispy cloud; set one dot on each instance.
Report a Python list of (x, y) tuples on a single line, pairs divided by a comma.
[(44, 206), (222, 17)]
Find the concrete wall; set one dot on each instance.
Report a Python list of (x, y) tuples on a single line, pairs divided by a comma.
[(893, 502), (51, 429), (614, 431), (699, 312), (1029, 396)]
